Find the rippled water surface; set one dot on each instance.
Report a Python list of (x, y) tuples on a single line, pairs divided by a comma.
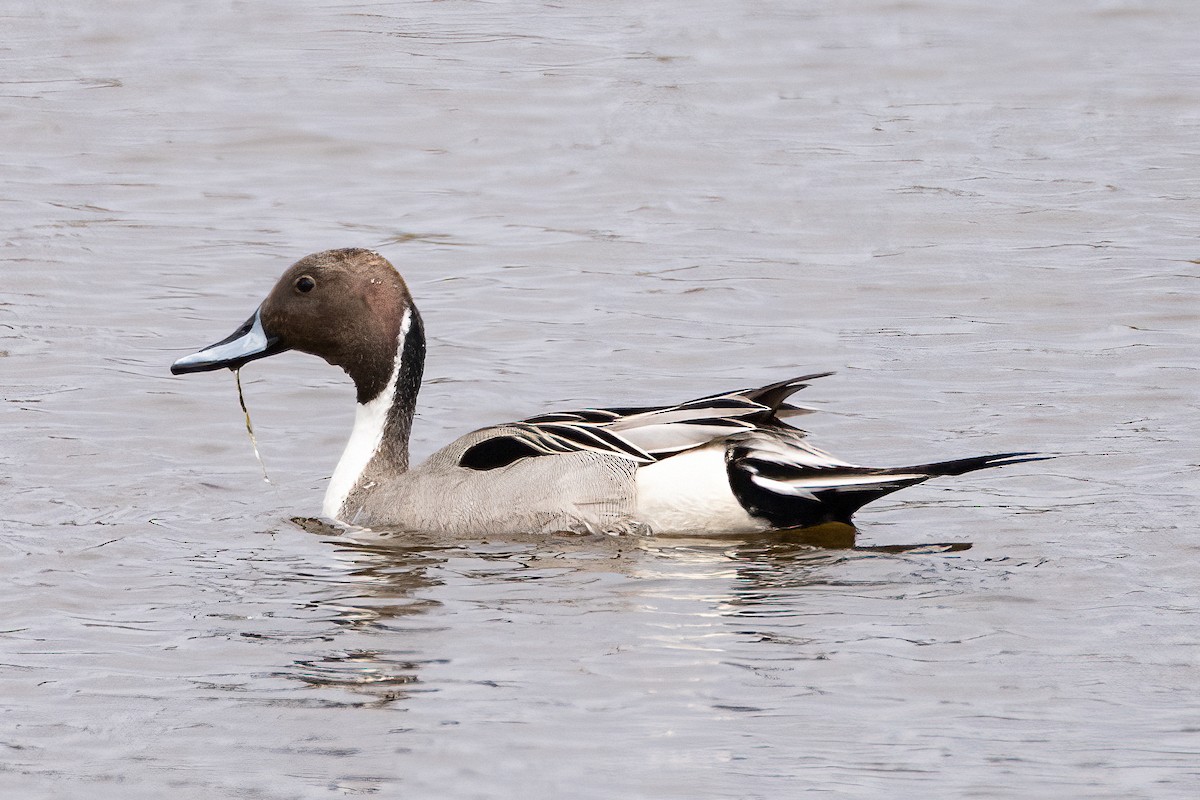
[(983, 216)]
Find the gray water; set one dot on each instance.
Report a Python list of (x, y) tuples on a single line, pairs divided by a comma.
[(983, 216)]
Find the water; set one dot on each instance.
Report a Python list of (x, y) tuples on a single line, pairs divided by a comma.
[(983, 216)]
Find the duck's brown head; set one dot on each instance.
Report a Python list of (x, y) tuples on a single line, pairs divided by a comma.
[(350, 307)]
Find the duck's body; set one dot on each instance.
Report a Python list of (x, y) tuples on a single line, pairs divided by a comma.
[(727, 463)]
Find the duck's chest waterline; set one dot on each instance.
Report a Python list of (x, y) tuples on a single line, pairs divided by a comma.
[(582, 492)]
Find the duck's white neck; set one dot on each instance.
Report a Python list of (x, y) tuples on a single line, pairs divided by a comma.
[(370, 423)]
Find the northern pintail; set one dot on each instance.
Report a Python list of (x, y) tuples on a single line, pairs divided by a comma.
[(726, 463)]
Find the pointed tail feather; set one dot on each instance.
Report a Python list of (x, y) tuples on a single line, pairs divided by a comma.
[(960, 466)]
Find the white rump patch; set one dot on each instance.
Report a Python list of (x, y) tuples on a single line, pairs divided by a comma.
[(370, 418), (689, 493)]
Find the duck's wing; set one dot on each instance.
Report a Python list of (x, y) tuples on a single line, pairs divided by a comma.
[(644, 434), (774, 395)]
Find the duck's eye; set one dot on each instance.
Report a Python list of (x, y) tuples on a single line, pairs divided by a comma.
[(305, 284)]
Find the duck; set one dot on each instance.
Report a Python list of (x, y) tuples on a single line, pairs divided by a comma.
[(728, 463)]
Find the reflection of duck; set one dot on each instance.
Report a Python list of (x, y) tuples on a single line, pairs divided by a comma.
[(374, 589), (391, 605), (725, 463)]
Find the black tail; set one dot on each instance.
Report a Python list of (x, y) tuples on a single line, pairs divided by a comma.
[(801, 495), (960, 466)]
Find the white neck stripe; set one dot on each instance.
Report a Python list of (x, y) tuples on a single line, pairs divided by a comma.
[(370, 419)]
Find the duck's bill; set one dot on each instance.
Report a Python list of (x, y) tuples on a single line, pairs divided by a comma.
[(247, 343)]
